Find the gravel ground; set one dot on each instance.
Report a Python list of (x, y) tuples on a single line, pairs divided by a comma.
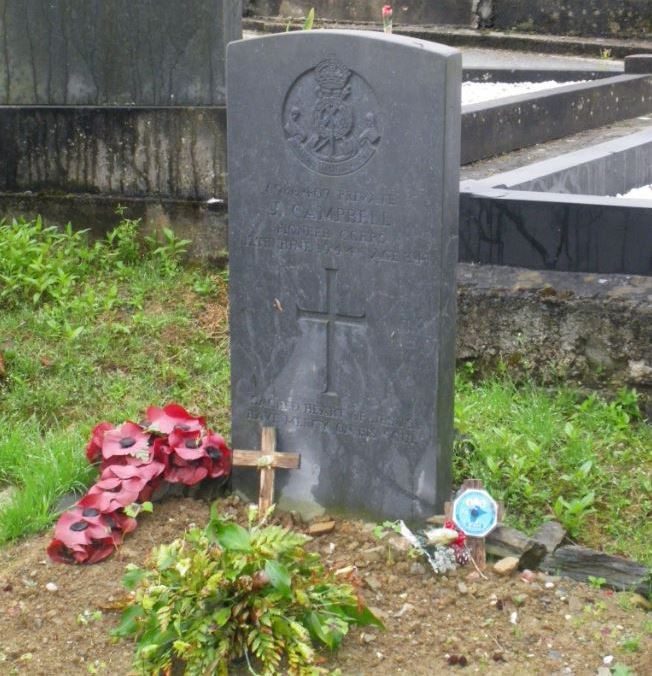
[(499, 625)]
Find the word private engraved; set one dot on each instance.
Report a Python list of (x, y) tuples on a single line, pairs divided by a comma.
[(330, 119)]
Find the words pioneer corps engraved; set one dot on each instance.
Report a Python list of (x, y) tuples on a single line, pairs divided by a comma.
[(330, 119)]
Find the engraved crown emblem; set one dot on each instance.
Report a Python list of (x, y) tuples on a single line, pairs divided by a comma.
[(331, 74)]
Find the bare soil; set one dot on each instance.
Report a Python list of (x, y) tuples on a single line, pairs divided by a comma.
[(434, 625)]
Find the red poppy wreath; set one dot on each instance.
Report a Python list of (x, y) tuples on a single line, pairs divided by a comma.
[(170, 445)]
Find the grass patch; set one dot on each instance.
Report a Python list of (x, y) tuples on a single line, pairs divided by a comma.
[(130, 328), (556, 453), (123, 326)]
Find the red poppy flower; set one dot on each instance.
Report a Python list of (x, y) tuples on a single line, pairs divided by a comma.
[(144, 472), (170, 417), (146, 476), (94, 447), (109, 495), (78, 526), (171, 445), (218, 454), (187, 472), (128, 439), (187, 444), (93, 552), (85, 535)]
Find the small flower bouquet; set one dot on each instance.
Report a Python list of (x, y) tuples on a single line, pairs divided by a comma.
[(170, 445), (444, 548)]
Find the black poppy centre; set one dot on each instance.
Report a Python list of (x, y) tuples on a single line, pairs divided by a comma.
[(79, 526), (213, 452)]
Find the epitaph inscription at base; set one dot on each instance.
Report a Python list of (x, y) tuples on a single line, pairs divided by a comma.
[(343, 191)]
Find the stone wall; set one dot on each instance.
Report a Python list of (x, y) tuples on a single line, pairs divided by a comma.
[(115, 52), (595, 330), (128, 151), (562, 17), (456, 12), (115, 97), (575, 17)]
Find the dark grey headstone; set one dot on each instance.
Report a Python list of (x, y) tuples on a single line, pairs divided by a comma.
[(116, 52), (343, 199)]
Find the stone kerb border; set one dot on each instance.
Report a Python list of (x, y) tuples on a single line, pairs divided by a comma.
[(554, 214), (534, 75), (490, 129)]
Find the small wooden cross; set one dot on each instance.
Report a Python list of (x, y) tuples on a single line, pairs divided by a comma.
[(476, 546), (266, 461)]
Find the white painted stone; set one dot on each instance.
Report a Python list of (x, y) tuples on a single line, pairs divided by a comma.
[(477, 92)]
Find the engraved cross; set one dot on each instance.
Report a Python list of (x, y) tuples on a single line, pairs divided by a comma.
[(331, 317)]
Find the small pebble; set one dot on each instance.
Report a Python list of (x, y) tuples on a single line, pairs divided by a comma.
[(51, 587), (607, 659), (528, 576), (417, 569), (462, 588), (506, 566)]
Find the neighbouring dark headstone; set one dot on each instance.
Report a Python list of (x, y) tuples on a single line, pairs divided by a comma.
[(343, 198), (116, 52), (638, 64), (550, 534)]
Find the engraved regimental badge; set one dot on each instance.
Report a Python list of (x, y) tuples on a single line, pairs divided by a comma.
[(330, 119)]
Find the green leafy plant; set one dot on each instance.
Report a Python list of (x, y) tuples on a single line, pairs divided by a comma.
[(596, 582), (310, 20), (573, 513), (386, 526), (632, 644), (123, 240), (621, 670), (167, 248), (41, 264), (227, 592)]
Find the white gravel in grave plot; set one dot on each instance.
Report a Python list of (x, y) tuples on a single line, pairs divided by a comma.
[(644, 193), (479, 92)]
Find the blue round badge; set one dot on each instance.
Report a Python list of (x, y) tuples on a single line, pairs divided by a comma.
[(475, 512)]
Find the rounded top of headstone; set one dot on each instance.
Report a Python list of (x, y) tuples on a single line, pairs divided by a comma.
[(335, 35), (638, 64)]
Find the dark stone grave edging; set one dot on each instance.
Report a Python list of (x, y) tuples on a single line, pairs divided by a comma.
[(554, 214)]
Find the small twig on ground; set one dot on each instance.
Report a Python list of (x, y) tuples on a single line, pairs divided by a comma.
[(475, 565), (497, 642)]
